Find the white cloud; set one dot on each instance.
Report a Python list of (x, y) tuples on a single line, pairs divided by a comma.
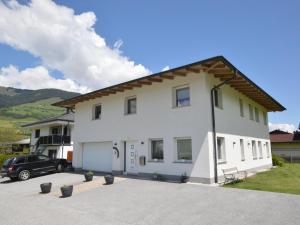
[(66, 42), (35, 78), (283, 126), (165, 68)]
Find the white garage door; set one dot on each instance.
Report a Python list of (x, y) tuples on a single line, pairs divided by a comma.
[(97, 156)]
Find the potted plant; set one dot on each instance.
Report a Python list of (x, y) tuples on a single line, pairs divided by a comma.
[(109, 179), (66, 190), (46, 187), (184, 178), (89, 176)]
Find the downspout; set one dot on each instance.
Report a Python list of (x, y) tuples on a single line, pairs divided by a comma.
[(213, 117)]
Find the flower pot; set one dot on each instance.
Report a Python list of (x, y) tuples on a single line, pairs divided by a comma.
[(46, 187), (88, 177), (66, 191), (109, 179)]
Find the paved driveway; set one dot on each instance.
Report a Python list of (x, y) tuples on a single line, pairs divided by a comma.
[(132, 201)]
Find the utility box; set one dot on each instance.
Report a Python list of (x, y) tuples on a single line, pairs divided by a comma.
[(142, 160)]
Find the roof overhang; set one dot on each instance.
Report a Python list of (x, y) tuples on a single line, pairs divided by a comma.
[(218, 67), (48, 123)]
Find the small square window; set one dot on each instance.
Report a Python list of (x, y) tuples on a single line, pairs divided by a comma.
[(182, 97), (157, 149), (218, 98), (97, 112), (130, 106), (37, 133), (184, 149), (221, 149)]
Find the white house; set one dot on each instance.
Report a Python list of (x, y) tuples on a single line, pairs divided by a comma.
[(53, 136), (165, 124)]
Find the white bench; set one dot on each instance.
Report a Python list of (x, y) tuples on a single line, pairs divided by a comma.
[(233, 174)]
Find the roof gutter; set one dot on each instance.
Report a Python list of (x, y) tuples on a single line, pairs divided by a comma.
[(213, 118)]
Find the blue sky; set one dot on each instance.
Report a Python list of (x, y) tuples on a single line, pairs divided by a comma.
[(261, 38)]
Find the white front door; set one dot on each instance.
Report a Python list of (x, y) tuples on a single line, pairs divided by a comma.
[(131, 157)]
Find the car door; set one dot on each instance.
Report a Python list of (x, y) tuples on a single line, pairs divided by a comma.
[(33, 164), (45, 163)]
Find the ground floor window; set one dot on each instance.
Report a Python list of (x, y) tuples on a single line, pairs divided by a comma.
[(260, 150), (242, 149), (254, 150), (221, 149), (268, 150), (184, 149), (157, 149)]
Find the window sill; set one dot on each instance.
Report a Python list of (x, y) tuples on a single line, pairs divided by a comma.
[(260, 157), (184, 162), (254, 158), (178, 107), (129, 114), (243, 160), (156, 161), (222, 162)]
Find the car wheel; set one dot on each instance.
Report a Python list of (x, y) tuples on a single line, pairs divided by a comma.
[(60, 168), (24, 175)]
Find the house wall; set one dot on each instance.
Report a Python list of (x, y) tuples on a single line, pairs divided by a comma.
[(233, 127), (155, 118)]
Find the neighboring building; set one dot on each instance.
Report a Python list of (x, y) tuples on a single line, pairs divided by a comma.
[(164, 123), (16, 146), (53, 136), (286, 145)]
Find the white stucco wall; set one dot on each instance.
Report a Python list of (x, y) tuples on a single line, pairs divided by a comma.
[(156, 118)]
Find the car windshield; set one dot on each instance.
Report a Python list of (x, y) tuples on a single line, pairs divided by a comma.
[(7, 162)]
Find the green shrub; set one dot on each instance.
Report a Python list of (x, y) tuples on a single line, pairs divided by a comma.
[(4, 157), (277, 160), (90, 173)]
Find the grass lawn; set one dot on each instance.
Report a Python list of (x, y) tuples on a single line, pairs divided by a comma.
[(284, 179)]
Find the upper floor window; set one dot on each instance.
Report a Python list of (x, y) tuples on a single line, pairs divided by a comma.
[(55, 130), (241, 107), (265, 118), (184, 149), (97, 112), (221, 149), (251, 113), (37, 133), (256, 114), (157, 149), (182, 96), (130, 105), (218, 98)]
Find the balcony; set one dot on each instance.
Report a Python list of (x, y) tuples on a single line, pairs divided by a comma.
[(54, 140)]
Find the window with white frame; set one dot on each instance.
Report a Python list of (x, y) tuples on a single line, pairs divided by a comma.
[(241, 107), (260, 149), (181, 96), (130, 105), (242, 147), (184, 149), (218, 98), (97, 112), (221, 149), (254, 150), (268, 150), (265, 115), (256, 115), (157, 149), (251, 113)]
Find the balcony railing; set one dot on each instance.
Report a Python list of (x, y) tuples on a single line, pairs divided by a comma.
[(54, 140)]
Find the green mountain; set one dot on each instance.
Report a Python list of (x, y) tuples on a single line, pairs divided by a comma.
[(18, 107), (12, 96)]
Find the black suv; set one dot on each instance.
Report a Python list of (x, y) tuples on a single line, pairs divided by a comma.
[(24, 167)]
